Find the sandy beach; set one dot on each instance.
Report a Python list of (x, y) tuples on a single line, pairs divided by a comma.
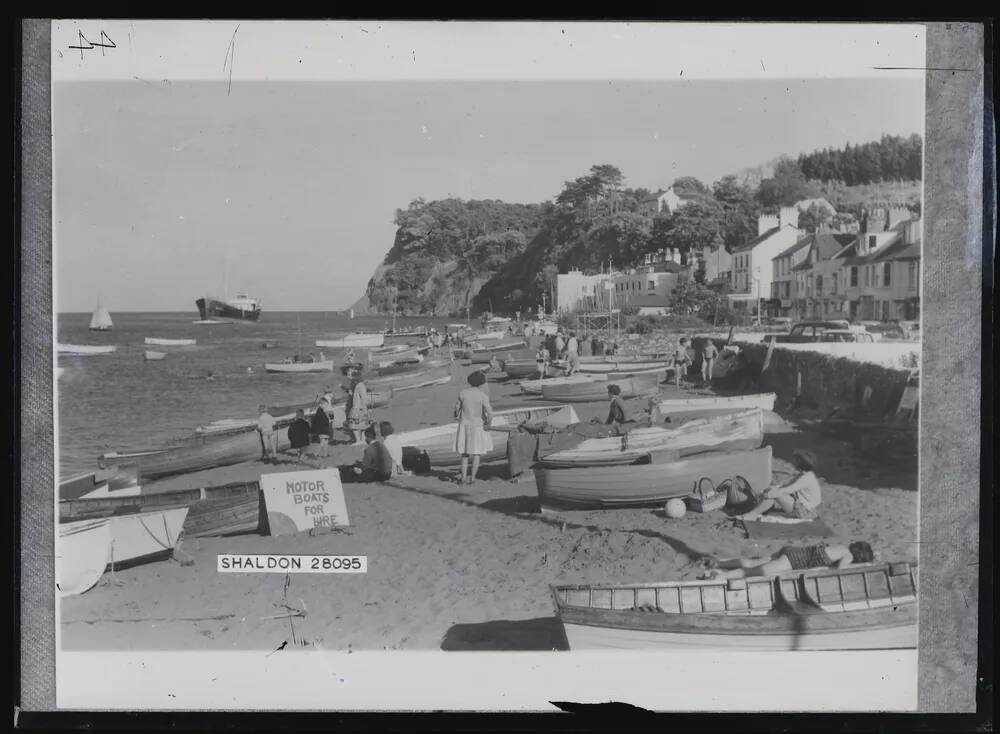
[(455, 567)]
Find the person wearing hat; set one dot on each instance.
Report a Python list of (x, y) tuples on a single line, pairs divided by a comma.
[(474, 414), (799, 498)]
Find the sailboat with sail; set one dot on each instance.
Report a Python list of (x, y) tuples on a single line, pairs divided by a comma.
[(101, 319)]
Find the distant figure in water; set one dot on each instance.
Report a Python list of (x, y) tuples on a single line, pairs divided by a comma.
[(249, 370), (210, 375), (790, 558)]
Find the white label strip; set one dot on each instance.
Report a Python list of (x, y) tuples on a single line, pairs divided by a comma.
[(257, 563)]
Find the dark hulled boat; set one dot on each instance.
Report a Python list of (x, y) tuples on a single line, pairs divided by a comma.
[(241, 308)]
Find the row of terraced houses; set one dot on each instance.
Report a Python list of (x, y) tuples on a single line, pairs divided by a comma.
[(872, 274)]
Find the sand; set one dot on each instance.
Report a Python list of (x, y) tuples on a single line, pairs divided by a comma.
[(455, 567)]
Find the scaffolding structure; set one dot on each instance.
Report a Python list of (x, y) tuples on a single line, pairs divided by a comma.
[(606, 324)]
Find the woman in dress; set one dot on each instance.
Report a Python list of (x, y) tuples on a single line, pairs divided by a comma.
[(790, 558), (358, 415), (473, 413)]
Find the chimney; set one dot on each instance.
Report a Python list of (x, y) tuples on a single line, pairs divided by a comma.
[(766, 222), (789, 215), (896, 215)]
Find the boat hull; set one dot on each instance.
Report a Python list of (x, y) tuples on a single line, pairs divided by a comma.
[(299, 367), (83, 552), (353, 341), (622, 366), (212, 308), (195, 454), (764, 401), (230, 509), (867, 607), (589, 391), (151, 356), (84, 350), (647, 484), (741, 431), (439, 441), (156, 341)]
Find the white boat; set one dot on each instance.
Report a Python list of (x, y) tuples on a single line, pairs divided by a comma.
[(300, 367), (82, 554), (739, 431), (668, 406), (101, 320), (212, 322), (151, 356), (621, 366), (156, 341), (489, 335), (428, 383), (439, 441), (87, 547), (353, 341), (867, 607), (534, 387), (83, 350)]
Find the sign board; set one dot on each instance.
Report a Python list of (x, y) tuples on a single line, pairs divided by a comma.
[(303, 500)]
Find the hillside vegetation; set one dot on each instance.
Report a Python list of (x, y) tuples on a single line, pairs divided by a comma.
[(450, 255)]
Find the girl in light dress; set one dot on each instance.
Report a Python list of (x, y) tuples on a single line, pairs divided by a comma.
[(474, 414), (358, 415)]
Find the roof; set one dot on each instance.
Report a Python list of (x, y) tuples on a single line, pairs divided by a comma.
[(829, 244), (669, 267), (899, 250), (883, 250), (804, 265), (757, 240), (794, 248)]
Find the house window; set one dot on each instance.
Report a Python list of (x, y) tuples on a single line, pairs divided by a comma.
[(651, 285), (872, 239), (854, 277), (835, 279), (886, 274), (866, 275), (819, 285), (914, 274)]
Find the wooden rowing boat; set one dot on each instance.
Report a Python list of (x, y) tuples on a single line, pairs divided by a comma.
[(427, 373), (667, 406), (194, 454), (622, 366), (87, 547), (116, 480), (589, 391), (151, 356), (352, 341), (299, 367), (409, 366), (534, 387), (156, 341), (739, 431), (426, 383), (284, 415), (648, 484), (84, 350), (228, 509), (488, 335), (439, 441), (868, 607), (518, 369)]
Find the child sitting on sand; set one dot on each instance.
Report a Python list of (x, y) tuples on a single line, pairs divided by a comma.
[(799, 498)]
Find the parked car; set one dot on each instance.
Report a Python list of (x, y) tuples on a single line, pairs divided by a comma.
[(780, 322), (847, 335), (808, 331)]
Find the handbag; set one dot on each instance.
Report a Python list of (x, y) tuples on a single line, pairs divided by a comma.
[(739, 494), (706, 500)]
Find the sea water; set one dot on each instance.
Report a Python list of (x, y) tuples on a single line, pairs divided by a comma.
[(120, 402)]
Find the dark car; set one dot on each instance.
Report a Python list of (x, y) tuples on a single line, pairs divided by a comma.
[(807, 331)]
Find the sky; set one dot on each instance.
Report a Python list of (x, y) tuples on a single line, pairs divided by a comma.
[(160, 181)]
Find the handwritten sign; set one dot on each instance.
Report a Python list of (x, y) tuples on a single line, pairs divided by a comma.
[(303, 500)]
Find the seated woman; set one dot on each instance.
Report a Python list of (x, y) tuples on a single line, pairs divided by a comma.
[(376, 464), (790, 558), (798, 498), (616, 411)]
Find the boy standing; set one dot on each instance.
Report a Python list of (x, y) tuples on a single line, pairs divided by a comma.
[(268, 438), (681, 361)]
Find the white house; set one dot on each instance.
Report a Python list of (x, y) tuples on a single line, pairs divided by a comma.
[(752, 269)]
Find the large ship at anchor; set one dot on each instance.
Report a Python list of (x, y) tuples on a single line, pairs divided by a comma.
[(241, 308)]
